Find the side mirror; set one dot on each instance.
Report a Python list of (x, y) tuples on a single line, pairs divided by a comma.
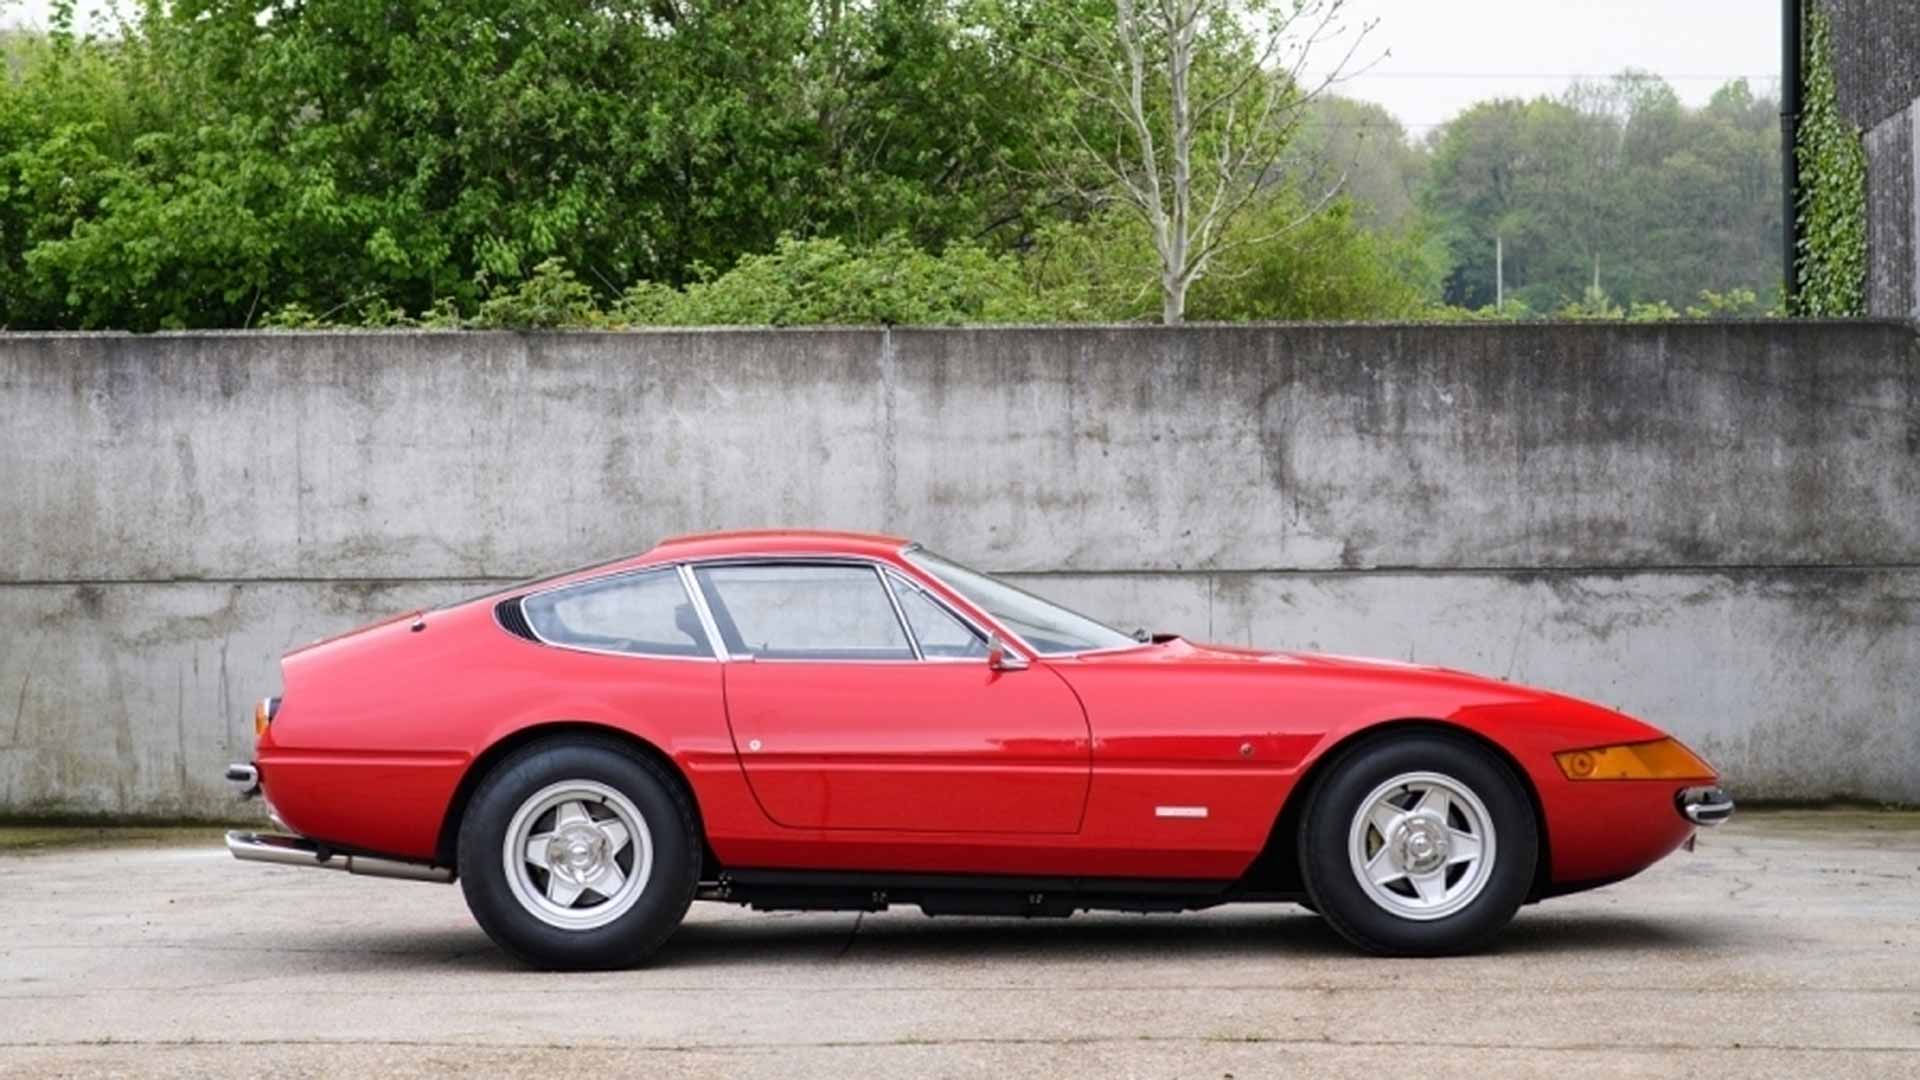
[(1001, 658)]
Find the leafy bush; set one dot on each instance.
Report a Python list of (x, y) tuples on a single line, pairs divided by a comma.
[(819, 282)]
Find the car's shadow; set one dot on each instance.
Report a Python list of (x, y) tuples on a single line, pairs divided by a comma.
[(1279, 933)]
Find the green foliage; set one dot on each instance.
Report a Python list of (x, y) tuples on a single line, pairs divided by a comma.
[(215, 160), (549, 297), (533, 163), (825, 282), (1361, 150), (1832, 197), (1620, 179), (1320, 266)]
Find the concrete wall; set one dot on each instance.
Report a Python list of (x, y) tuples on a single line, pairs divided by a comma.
[(1876, 69), (1714, 526), (1893, 276)]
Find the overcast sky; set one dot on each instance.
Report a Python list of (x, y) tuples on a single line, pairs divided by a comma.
[(1444, 55), (1447, 54)]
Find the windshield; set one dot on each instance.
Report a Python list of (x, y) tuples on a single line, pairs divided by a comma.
[(1048, 627)]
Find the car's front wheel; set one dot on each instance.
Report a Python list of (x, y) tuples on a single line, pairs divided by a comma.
[(1418, 844), (579, 853)]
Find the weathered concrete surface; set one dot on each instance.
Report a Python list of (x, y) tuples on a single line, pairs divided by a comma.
[(1716, 525), (131, 699), (1876, 57), (1876, 67), (410, 456), (1893, 198), (1784, 947)]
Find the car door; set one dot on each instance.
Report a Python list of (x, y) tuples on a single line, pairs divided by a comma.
[(844, 720)]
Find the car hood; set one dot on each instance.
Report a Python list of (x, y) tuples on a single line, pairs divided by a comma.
[(1173, 654), (1175, 650), (1330, 694)]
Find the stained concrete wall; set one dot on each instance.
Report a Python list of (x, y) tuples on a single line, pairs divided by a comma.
[(1876, 69), (1716, 526), (1893, 275)]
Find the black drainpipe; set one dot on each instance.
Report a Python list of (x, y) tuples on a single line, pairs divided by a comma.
[(1789, 141)]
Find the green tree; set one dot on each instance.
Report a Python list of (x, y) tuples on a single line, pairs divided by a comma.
[(1361, 149), (1614, 185), (1180, 112), (221, 158)]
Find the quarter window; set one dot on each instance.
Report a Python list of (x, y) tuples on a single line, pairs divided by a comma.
[(940, 634), (646, 613), (804, 612)]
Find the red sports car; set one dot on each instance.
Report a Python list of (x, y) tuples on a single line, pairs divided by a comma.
[(810, 720)]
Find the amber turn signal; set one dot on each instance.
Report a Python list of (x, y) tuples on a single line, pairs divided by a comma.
[(1662, 759), (263, 715)]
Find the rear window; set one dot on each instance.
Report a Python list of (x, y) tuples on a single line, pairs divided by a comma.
[(646, 614)]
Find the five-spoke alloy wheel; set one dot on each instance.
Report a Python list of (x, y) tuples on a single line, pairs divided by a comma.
[(1418, 843), (579, 853)]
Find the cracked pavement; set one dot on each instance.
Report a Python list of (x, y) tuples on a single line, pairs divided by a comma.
[(1788, 944)]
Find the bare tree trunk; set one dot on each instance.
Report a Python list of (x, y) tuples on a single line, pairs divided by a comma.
[(1250, 92), (1173, 301), (1181, 17)]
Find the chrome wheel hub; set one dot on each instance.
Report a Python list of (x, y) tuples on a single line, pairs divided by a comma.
[(1422, 845), (1419, 844), (577, 854)]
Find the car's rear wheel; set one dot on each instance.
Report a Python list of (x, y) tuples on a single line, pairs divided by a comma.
[(579, 853), (1418, 844)]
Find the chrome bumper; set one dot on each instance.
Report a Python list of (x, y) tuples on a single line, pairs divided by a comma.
[(300, 851), (1704, 805)]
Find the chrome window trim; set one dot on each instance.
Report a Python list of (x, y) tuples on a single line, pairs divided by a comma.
[(875, 566), (981, 622), (913, 640), (1008, 635), (892, 575), (699, 601), (716, 649)]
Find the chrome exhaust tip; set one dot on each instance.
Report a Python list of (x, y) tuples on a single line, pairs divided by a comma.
[(1704, 805), (244, 776), (284, 850)]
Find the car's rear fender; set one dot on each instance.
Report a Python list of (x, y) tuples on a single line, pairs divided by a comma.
[(447, 846)]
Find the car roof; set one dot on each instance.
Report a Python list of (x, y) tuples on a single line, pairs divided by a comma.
[(775, 542)]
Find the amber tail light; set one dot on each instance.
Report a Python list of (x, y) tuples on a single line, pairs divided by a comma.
[(1662, 759), (263, 715)]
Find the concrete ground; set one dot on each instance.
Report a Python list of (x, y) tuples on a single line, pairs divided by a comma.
[(1787, 945)]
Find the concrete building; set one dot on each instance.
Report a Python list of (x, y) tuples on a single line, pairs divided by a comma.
[(1876, 47)]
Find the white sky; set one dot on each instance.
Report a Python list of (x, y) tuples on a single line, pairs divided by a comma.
[(1446, 54)]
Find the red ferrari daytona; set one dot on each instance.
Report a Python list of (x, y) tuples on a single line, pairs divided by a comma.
[(811, 720)]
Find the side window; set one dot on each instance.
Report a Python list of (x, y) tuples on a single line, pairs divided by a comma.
[(802, 612), (940, 634), (632, 613)]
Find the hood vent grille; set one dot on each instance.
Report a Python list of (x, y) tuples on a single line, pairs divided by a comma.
[(512, 620)]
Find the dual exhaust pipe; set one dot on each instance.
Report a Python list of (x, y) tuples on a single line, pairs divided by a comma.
[(283, 850)]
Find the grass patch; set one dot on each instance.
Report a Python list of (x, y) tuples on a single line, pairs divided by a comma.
[(26, 839), (1904, 821)]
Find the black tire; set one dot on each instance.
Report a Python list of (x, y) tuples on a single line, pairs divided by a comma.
[(662, 900), (1333, 885)]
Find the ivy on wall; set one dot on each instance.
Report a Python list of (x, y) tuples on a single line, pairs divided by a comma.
[(1832, 200)]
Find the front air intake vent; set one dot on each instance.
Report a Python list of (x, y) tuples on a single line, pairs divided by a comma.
[(512, 620)]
